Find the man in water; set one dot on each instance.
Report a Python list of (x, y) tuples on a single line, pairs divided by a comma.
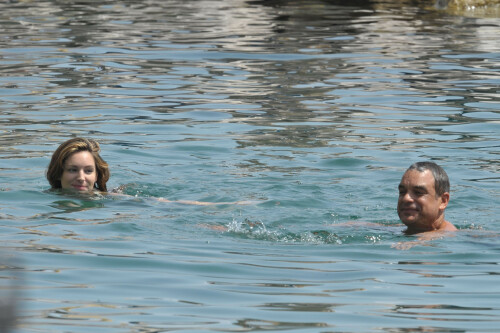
[(423, 197)]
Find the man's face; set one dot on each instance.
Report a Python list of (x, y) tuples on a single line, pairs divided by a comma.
[(418, 206)]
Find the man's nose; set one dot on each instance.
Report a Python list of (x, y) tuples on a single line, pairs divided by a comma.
[(407, 197)]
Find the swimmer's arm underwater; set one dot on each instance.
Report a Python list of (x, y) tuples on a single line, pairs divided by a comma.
[(118, 192), (424, 238), (204, 203)]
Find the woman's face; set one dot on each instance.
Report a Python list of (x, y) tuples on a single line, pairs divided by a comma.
[(79, 172)]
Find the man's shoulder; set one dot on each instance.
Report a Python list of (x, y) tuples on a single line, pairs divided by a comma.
[(448, 226)]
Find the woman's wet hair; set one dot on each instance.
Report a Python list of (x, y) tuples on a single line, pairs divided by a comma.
[(68, 148)]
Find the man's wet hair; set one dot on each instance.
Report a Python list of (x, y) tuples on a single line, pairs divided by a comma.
[(441, 180)]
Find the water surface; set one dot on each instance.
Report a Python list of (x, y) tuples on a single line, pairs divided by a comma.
[(310, 110)]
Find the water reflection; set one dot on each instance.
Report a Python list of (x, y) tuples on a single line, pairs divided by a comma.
[(11, 284), (310, 108), (253, 324), (339, 86)]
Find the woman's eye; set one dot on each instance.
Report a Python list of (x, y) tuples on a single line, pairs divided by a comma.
[(89, 171)]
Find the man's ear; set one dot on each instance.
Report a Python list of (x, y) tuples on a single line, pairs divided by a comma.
[(445, 199)]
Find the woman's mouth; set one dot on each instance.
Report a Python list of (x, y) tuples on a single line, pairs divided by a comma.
[(80, 187)]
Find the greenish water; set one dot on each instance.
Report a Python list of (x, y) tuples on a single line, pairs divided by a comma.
[(309, 110)]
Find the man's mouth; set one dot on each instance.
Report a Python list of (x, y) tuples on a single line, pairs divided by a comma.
[(409, 209)]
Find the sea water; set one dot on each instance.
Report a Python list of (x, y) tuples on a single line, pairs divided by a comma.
[(308, 111)]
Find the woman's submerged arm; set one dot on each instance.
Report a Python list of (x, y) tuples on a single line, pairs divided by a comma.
[(205, 203), (116, 192)]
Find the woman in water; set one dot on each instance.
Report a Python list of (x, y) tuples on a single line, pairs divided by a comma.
[(76, 165)]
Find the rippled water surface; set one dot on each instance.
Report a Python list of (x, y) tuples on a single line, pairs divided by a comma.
[(310, 111)]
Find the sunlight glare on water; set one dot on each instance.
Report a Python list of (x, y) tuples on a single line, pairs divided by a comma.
[(309, 111)]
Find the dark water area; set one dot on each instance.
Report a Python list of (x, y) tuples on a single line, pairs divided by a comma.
[(308, 111)]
